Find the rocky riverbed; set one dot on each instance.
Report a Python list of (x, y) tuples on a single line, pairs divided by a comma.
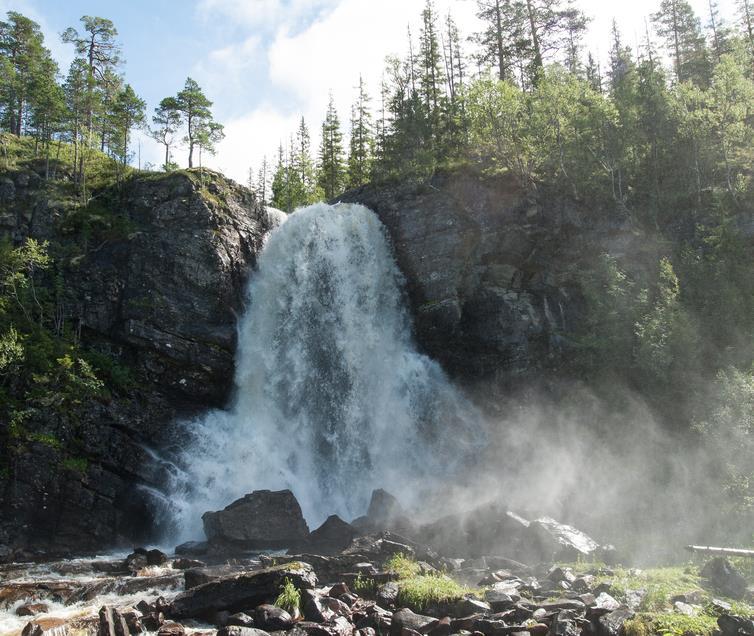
[(346, 579)]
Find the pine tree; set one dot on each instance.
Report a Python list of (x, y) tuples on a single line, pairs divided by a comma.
[(129, 112), (166, 122), (361, 146), (721, 33), (194, 107), (431, 78), (677, 24), (503, 27), (280, 195), (331, 173)]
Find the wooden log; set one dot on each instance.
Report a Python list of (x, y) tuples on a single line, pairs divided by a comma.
[(734, 552)]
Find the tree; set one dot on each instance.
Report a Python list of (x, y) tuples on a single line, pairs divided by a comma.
[(28, 68), (503, 28), (129, 112), (75, 97), (100, 50), (167, 121), (680, 28), (194, 107), (361, 146), (746, 14), (302, 183), (208, 135), (331, 173), (280, 194), (262, 184), (431, 76)]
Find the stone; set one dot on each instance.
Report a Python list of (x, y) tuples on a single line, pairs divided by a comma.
[(387, 595), (271, 618), (136, 561), (406, 619), (467, 606), (235, 630), (112, 623), (557, 541), (46, 627), (683, 608), (603, 604), (735, 625), (32, 609), (156, 557), (333, 536), (261, 519), (611, 624), (238, 592), (194, 577), (185, 564), (192, 548), (169, 628), (239, 619), (724, 577)]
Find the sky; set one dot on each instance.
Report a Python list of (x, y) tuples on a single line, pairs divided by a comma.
[(265, 63)]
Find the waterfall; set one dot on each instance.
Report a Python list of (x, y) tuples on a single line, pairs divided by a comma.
[(332, 398)]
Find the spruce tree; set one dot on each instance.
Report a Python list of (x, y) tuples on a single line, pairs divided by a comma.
[(680, 28), (331, 173), (194, 107), (361, 146)]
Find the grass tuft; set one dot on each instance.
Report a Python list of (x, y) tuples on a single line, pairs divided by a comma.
[(289, 598)]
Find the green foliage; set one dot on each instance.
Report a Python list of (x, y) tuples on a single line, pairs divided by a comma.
[(402, 566), (289, 598), (364, 586), (422, 591)]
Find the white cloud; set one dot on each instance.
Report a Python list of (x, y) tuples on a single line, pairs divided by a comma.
[(261, 13)]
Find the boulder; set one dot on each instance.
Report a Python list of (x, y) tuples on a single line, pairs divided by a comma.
[(721, 575), (735, 625), (239, 592), (550, 540), (332, 537), (46, 627), (406, 619), (271, 618), (259, 520), (237, 630), (112, 623), (612, 624), (32, 609)]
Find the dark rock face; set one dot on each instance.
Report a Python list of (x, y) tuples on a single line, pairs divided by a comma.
[(261, 519), (160, 296), (490, 274)]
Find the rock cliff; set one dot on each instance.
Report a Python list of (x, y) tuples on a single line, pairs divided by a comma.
[(492, 276), (158, 289)]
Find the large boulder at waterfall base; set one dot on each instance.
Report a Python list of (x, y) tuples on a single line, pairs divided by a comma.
[(384, 513), (261, 519), (333, 536), (240, 592)]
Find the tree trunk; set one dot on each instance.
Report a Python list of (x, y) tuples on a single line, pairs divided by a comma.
[(537, 63), (499, 41)]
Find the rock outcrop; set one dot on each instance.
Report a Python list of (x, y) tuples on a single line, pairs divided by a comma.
[(156, 286), (491, 275)]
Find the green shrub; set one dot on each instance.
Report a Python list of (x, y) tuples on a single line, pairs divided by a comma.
[(289, 598)]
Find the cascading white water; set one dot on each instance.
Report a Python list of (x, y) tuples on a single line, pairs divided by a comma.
[(332, 397)]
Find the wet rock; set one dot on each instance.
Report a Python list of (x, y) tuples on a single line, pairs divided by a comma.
[(198, 576), (186, 564), (563, 624), (271, 618), (137, 560), (261, 519), (112, 623), (169, 628), (46, 627), (238, 592), (724, 577), (440, 628), (558, 542), (499, 600), (235, 630), (192, 548), (239, 619), (406, 619), (562, 604), (32, 609), (156, 557), (333, 536), (696, 597), (611, 624)]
